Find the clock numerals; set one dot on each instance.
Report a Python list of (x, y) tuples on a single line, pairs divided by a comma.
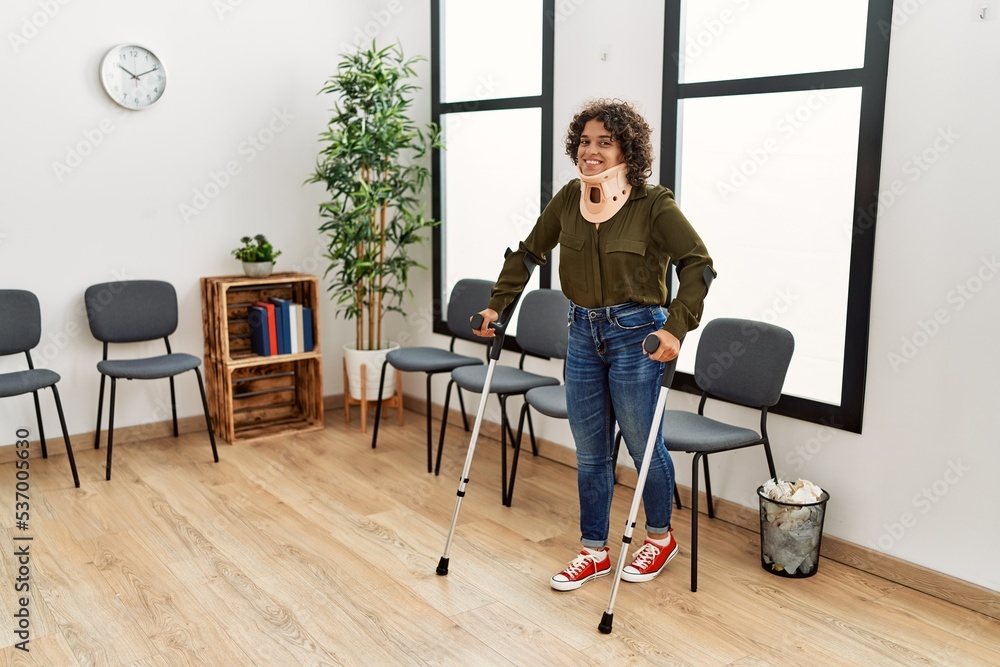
[(133, 76)]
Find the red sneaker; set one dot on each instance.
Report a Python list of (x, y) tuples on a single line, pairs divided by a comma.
[(581, 569), (649, 560)]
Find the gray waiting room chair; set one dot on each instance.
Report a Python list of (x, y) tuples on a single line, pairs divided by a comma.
[(21, 331), (136, 311), (469, 296), (507, 381), (739, 361)]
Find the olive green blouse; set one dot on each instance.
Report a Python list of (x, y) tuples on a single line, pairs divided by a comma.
[(623, 260)]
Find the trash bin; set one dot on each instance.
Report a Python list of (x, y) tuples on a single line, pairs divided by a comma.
[(790, 534)]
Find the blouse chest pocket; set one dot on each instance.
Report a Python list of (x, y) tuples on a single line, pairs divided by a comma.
[(627, 245), (572, 260)]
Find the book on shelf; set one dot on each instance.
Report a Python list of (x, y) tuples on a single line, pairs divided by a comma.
[(294, 324), (307, 329), (260, 338), (281, 307), (272, 326)]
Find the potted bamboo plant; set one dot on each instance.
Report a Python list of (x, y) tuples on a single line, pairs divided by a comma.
[(372, 165)]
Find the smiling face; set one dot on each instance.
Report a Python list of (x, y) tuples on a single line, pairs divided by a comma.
[(598, 150)]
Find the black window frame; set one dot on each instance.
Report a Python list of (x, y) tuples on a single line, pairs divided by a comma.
[(543, 101), (871, 78)]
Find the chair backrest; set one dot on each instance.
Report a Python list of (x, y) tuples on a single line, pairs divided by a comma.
[(743, 361), (468, 297), (20, 321), (130, 311), (542, 319)]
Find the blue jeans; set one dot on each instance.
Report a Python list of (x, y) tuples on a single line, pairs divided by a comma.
[(609, 380)]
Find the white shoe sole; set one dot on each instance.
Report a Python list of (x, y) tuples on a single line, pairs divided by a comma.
[(573, 585), (639, 578)]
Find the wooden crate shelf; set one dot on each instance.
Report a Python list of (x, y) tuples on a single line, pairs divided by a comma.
[(253, 396)]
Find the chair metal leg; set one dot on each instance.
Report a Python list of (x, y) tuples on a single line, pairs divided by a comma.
[(694, 523), (708, 487), (111, 429), (378, 404), (69, 447), (208, 419), (444, 425), (41, 428), (100, 408), (173, 405), (461, 403), (430, 436), (504, 428), (517, 453), (531, 432), (770, 459), (677, 497), (614, 457)]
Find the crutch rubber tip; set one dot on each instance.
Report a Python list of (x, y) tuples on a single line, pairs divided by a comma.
[(606, 622), (442, 567)]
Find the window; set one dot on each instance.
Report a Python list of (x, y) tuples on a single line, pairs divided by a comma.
[(776, 112), (492, 97)]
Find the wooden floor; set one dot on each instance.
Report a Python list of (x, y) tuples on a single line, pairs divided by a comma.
[(317, 550)]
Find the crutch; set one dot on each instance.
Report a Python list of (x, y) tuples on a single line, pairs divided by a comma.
[(499, 327), (649, 344)]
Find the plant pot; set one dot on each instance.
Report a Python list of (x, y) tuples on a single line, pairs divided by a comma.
[(372, 360), (258, 269)]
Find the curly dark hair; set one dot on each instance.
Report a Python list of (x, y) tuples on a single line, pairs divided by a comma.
[(626, 126)]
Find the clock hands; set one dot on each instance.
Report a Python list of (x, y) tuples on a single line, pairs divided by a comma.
[(129, 73), (147, 72)]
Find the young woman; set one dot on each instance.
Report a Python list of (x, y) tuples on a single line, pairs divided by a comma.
[(617, 236)]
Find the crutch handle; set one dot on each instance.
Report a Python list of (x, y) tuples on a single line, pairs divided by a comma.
[(477, 322), (651, 344)]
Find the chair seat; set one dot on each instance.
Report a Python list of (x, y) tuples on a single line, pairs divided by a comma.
[(506, 379), (428, 359), (550, 401), (25, 382), (685, 431), (150, 368)]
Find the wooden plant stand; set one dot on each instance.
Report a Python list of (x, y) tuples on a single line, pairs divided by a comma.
[(395, 400)]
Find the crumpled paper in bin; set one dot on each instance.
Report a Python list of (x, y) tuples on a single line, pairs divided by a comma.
[(790, 535)]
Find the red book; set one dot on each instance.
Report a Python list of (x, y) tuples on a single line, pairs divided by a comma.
[(272, 329)]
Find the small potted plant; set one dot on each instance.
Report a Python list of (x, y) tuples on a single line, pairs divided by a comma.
[(257, 255)]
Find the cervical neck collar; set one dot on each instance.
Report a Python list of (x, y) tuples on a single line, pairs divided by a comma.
[(604, 194)]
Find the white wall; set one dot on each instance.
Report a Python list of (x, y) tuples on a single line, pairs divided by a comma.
[(930, 422), (919, 483), (94, 193)]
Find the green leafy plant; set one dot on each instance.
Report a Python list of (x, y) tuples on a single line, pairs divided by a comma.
[(371, 166), (256, 249)]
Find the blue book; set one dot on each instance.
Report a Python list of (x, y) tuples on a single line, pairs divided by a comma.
[(281, 317), (260, 339), (307, 329)]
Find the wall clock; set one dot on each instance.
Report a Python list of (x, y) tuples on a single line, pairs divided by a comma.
[(133, 76)]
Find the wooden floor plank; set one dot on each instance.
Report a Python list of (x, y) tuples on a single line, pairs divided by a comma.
[(315, 549)]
